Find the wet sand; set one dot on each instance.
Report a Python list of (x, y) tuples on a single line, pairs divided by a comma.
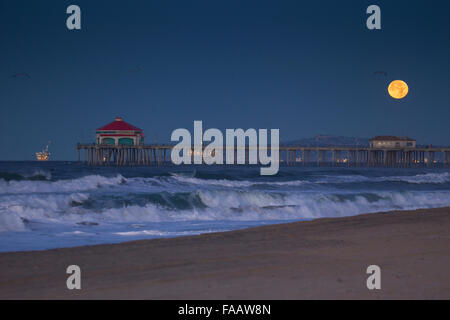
[(325, 258)]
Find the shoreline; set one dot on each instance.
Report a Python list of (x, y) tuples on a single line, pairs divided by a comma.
[(325, 258)]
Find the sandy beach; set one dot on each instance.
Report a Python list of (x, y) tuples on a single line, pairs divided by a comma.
[(324, 258)]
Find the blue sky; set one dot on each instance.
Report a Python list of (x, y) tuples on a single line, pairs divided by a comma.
[(305, 68)]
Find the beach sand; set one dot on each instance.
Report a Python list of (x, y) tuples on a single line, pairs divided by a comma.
[(324, 258)]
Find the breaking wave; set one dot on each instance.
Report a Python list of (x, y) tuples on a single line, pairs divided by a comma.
[(37, 175), (71, 185), (29, 201), (427, 178), (203, 205), (39, 182)]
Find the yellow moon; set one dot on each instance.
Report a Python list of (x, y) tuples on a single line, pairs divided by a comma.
[(398, 89)]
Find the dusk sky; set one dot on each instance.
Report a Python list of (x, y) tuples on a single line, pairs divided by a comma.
[(306, 68)]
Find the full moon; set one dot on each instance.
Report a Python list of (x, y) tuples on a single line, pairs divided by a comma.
[(398, 89)]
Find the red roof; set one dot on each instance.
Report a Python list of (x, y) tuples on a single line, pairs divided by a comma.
[(116, 135), (119, 124), (391, 138)]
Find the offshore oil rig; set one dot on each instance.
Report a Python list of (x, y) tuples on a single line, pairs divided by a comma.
[(122, 144), (43, 155)]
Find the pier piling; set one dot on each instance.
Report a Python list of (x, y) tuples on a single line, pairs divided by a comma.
[(147, 155)]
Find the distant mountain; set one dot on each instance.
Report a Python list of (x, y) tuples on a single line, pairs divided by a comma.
[(328, 141)]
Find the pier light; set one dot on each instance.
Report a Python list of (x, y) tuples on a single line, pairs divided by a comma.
[(392, 142)]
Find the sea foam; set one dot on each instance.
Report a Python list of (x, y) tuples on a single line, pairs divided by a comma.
[(107, 208)]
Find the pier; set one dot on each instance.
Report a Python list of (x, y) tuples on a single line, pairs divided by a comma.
[(366, 157), (122, 144), (154, 154)]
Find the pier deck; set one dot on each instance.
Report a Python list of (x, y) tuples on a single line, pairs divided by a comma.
[(145, 155)]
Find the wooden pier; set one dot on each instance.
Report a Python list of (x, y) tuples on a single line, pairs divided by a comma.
[(147, 155), (366, 157), (122, 155)]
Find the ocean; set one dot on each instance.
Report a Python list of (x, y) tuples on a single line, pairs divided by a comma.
[(46, 205)]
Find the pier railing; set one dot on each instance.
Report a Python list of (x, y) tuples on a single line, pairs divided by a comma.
[(145, 155)]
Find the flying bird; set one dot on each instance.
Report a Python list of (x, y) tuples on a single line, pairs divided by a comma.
[(22, 74)]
